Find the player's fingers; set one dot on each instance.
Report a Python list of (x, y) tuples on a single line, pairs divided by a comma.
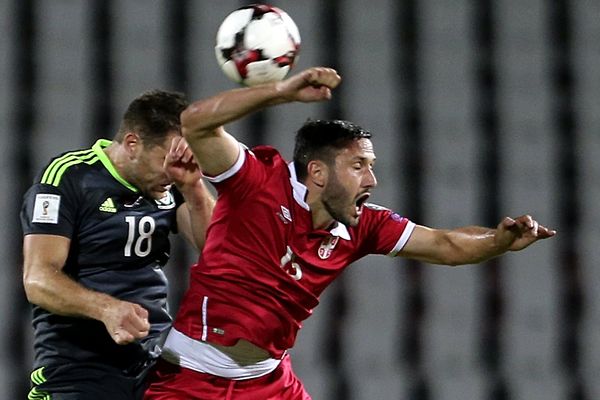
[(507, 223), (544, 232), (187, 156), (135, 327), (534, 228), (140, 311), (121, 336), (178, 148), (527, 221), (171, 154), (322, 76), (182, 146), (325, 92), (174, 143), (140, 322)]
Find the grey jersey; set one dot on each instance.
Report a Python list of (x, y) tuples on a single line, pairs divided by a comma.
[(119, 243)]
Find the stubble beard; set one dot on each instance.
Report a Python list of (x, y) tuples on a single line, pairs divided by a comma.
[(334, 201)]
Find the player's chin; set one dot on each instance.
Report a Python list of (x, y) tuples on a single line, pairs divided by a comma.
[(353, 222), (352, 219)]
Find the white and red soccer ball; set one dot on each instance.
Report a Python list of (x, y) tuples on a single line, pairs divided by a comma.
[(257, 44)]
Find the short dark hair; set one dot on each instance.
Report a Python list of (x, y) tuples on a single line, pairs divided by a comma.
[(153, 115), (321, 140)]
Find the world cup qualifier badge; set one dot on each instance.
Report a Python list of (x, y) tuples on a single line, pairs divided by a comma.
[(327, 246)]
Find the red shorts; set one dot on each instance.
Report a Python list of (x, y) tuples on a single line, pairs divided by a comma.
[(168, 381)]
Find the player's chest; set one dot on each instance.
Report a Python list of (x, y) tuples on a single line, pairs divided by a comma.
[(124, 216)]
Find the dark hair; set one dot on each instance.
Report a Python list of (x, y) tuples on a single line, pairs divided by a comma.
[(153, 115), (321, 140)]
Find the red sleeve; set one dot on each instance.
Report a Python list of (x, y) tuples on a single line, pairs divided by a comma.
[(248, 174), (385, 232)]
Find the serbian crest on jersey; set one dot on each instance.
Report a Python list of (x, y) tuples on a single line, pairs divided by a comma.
[(327, 246)]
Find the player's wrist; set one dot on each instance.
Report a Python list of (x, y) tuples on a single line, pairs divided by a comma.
[(196, 194)]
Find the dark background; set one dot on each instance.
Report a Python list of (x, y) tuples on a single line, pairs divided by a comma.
[(479, 109)]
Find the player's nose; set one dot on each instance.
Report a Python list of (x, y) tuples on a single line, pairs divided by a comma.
[(369, 179)]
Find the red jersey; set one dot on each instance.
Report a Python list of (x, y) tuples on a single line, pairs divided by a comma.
[(263, 266)]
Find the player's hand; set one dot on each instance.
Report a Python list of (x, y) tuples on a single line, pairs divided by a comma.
[(518, 233), (180, 165), (313, 84), (126, 322)]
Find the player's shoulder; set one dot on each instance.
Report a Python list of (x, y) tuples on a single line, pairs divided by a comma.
[(68, 166), (267, 155), (375, 207), (376, 214)]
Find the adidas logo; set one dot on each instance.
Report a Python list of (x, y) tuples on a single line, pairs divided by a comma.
[(108, 206)]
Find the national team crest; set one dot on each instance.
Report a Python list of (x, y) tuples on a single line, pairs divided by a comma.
[(166, 202), (327, 247)]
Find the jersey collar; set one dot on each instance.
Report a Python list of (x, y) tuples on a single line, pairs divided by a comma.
[(300, 191), (298, 188), (340, 230), (98, 148)]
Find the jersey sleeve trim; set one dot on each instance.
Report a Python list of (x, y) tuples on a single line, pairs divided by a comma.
[(98, 149), (408, 230), (234, 168)]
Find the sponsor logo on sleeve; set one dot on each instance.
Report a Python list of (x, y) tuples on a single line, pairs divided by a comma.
[(396, 217), (45, 208)]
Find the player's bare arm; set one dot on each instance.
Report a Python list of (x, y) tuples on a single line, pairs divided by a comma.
[(49, 287), (194, 216), (473, 244), (202, 122)]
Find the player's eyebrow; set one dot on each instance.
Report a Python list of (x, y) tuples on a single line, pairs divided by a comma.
[(363, 159)]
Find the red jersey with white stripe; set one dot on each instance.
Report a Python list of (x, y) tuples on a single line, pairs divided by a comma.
[(263, 266)]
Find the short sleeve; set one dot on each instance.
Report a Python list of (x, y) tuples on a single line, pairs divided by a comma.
[(48, 210), (248, 173), (386, 232)]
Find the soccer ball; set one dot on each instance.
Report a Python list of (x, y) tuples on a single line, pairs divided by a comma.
[(257, 44)]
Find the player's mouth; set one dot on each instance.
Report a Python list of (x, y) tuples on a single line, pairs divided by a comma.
[(360, 201)]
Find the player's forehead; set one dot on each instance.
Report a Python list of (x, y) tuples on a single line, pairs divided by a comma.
[(160, 145), (358, 149)]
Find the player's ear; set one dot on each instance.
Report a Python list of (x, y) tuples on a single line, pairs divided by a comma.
[(317, 173), (131, 143)]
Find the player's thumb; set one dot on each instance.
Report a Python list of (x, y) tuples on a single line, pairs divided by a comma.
[(505, 234)]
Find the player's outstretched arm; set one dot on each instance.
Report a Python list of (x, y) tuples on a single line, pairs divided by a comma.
[(48, 287), (473, 244), (202, 122)]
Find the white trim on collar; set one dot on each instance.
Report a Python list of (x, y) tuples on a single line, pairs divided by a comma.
[(299, 189), (340, 230)]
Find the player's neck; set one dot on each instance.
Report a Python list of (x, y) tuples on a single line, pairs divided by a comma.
[(117, 158), (321, 219)]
